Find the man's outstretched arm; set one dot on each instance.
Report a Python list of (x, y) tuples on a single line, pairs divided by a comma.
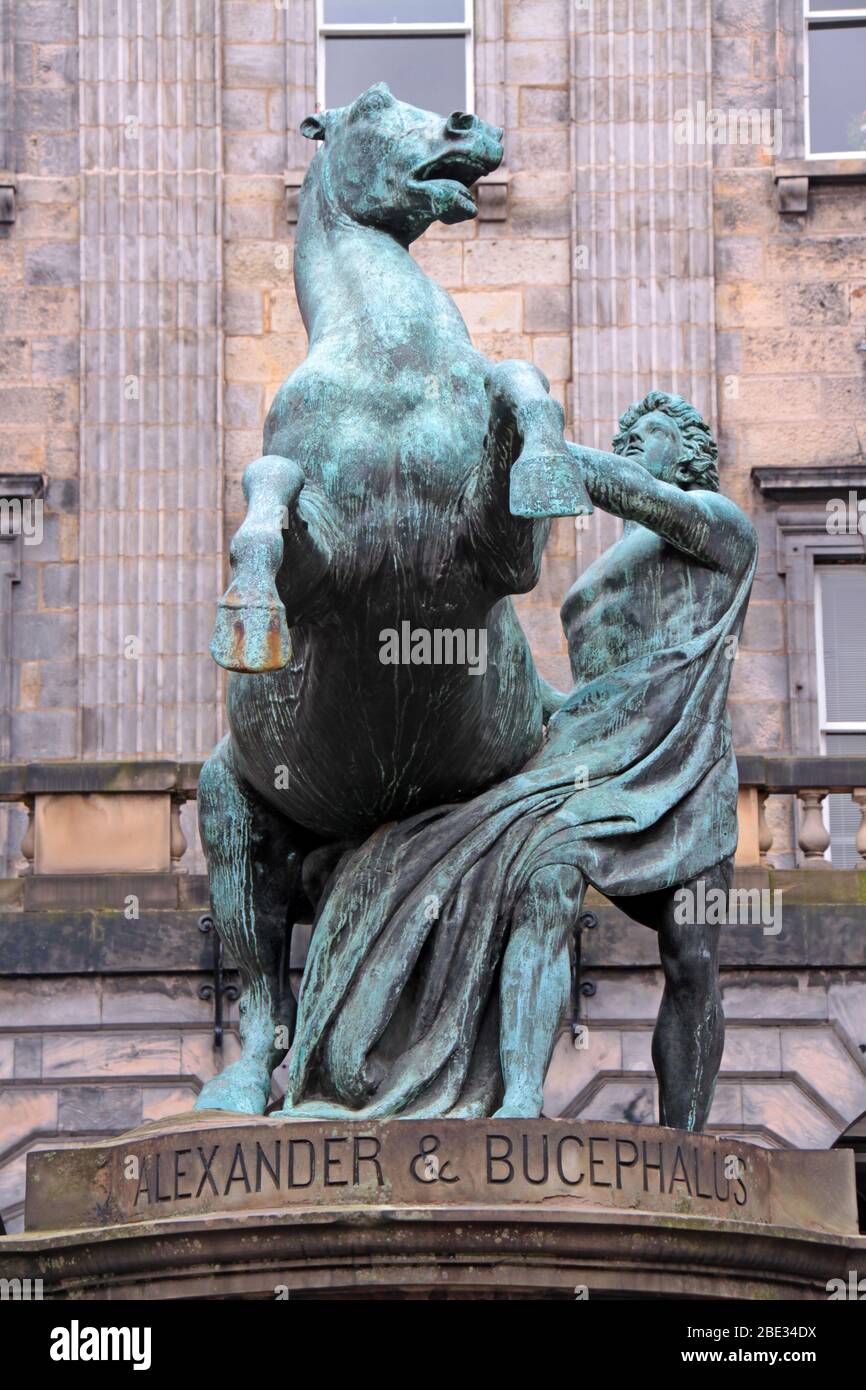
[(702, 524)]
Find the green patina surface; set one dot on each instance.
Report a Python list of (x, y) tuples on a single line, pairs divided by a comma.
[(444, 843)]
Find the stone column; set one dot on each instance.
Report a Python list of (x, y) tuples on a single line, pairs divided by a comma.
[(642, 272), (300, 43), (151, 437), (7, 87)]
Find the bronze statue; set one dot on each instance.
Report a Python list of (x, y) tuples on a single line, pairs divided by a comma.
[(413, 799)]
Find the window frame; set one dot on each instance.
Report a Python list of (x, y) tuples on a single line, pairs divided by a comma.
[(817, 19), (431, 28), (828, 726)]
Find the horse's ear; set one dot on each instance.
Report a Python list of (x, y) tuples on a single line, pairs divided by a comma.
[(313, 127), (376, 98)]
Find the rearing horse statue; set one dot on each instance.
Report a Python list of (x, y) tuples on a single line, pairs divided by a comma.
[(405, 479)]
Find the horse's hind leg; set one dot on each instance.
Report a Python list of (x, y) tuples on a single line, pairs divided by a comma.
[(254, 872)]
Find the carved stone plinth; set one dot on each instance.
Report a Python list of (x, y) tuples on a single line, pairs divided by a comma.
[(213, 1206)]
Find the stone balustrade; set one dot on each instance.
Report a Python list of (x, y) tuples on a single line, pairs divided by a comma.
[(89, 821), (99, 831), (808, 779)]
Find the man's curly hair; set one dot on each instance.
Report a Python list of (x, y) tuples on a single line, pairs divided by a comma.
[(697, 467)]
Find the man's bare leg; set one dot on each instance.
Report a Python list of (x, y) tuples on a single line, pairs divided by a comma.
[(690, 1030), (536, 985)]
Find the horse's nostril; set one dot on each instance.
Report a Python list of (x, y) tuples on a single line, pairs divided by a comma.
[(460, 121)]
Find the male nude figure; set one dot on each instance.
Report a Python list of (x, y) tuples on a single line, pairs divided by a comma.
[(685, 555)]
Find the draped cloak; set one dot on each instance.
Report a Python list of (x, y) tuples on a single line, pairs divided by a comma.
[(398, 1013)]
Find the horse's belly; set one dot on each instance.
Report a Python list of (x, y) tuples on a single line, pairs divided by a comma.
[(342, 762)]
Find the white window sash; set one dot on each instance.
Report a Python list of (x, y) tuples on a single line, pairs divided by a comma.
[(431, 28), (813, 19)]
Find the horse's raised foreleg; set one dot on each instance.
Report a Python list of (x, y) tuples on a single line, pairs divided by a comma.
[(543, 480), (524, 446), (254, 871), (286, 536)]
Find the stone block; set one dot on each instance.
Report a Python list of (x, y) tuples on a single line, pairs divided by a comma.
[(553, 356), (98, 1109), (819, 350), (28, 1058), (255, 153), (53, 264), (745, 305), (14, 358), (764, 628), (56, 358), (817, 304), (243, 311), (245, 109), (537, 61), (537, 19), (58, 684), (546, 309), (46, 21), (250, 21), (758, 724), (58, 154), (102, 833), (496, 311), (544, 106), (253, 65), (110, 1054), (516, 262)]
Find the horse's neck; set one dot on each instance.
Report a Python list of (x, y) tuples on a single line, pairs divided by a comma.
[(345, 271)]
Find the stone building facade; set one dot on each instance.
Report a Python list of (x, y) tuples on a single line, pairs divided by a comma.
[(149, 167)]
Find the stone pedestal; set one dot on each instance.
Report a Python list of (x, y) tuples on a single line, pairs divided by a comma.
[(215, 1206)]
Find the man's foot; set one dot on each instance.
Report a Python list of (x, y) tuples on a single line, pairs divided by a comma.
[(519, 1106), (244, 1088)]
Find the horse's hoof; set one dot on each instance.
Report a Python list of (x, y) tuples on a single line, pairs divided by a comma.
[(518, 1107), (244, 1088), (251, 636), (544, 485)]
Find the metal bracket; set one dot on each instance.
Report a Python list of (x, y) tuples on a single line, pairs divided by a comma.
[(218, 989), (7, 198), (585, 989)]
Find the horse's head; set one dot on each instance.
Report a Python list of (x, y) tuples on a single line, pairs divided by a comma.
[(389, 165)]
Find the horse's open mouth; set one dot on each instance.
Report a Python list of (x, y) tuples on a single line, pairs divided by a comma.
[(449, 178), (454, 167)]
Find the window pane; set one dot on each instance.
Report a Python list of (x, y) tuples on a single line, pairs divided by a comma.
[(844, 812), (426, 72), (837, 88), (843, 616), (394, 11)]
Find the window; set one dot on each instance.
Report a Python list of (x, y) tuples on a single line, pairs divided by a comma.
[(840, 614), (835, 78), (421, 48)]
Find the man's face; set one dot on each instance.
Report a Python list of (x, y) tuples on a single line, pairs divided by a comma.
[(655, 441)]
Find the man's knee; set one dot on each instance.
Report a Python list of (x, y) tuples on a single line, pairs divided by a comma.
[(557, 886), (689, 956)]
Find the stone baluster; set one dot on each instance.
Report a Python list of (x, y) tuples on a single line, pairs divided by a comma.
[(765, 834), (813, 838), (28, 842), (177, 839), (858, 795)]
